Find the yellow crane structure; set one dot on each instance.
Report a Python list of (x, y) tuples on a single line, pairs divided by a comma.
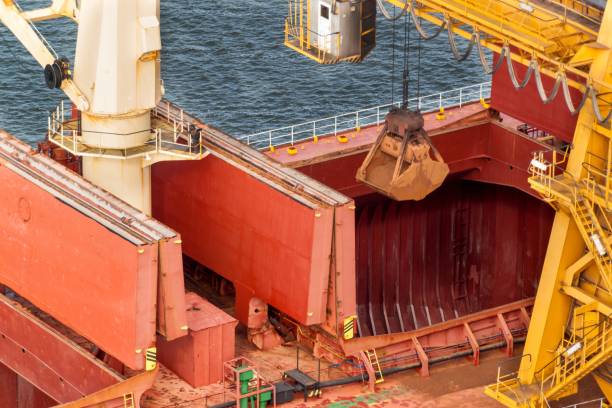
[(570, 334)]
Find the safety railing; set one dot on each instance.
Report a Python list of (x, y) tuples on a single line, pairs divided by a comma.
[(181, 140), (545, 168), (354, 121), (508, 386), (598, 179), (596, 403), (310, 43), (572, 360), (582, 8)]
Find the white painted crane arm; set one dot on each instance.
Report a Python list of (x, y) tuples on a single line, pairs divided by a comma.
[(57, 9), (13, 19)]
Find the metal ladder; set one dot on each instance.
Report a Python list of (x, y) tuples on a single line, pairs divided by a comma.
[(375, 363), (128, 400)]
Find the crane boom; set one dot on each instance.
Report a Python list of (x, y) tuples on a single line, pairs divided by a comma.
[(570, 335), (19, 23)]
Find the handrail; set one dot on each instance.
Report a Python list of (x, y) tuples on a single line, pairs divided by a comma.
[(354, 121), (580, 404), (581, 353), (592, 13), (177, 142)]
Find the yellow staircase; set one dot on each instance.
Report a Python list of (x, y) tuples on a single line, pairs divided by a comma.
[(594, 236), (578, 358), (588, 347)]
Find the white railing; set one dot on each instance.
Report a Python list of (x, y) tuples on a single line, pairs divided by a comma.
[(596, 403), (364, 117), (179, 141)]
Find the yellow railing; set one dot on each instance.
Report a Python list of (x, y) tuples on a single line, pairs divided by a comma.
[(583, 8), (587, 200), (578, 357), (506, 386), (299, 37)]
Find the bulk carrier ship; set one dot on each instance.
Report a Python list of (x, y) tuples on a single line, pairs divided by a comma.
[(150, 259)]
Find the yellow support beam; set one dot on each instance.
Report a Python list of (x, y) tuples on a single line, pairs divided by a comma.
[(542, 33)]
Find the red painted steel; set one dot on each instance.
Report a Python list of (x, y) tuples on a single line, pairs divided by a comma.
[(47, 358), (171, 316), (467, 247), (8, 387), (444, 340), (79, 254), (31, 397), (526, 105), (198, 357), (490, 152), (78, 271), (268, 243)]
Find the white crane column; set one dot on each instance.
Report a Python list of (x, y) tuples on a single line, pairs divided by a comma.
[(117, 68)]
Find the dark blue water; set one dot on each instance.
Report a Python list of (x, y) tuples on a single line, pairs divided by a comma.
[(225, 62)]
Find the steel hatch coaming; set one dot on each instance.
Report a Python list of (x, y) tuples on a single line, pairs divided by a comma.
[(268, 244), (59, 260), (489, 151), (82, 255), (46, 358), (467, 247)]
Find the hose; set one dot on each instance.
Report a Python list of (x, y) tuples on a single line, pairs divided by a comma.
[(512, 74), (386, 14), (483, 59), (419, 27), (568, 97), (453, 45), (596, 110), (538, 78)]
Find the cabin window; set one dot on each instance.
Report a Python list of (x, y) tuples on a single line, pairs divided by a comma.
[(325, 12)]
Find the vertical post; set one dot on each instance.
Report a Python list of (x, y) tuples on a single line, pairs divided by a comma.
[(335, 125), (291, 135), (419, 104), (377, 115), (460, 97), (301, 23), (440, 101), (270, 138), (357, 127), (314, 128), (307, 23), (481, 96)]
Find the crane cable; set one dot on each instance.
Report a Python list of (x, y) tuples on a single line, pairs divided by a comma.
[(406, 72), (36, 31), (393, 58)]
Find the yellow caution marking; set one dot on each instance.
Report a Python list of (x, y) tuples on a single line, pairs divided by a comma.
[(349, 327), (151, 359)]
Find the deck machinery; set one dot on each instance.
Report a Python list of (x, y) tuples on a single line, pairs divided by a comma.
[(343, 273), (569, 335)]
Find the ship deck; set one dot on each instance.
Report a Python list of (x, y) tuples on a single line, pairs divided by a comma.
[(328, 146)]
